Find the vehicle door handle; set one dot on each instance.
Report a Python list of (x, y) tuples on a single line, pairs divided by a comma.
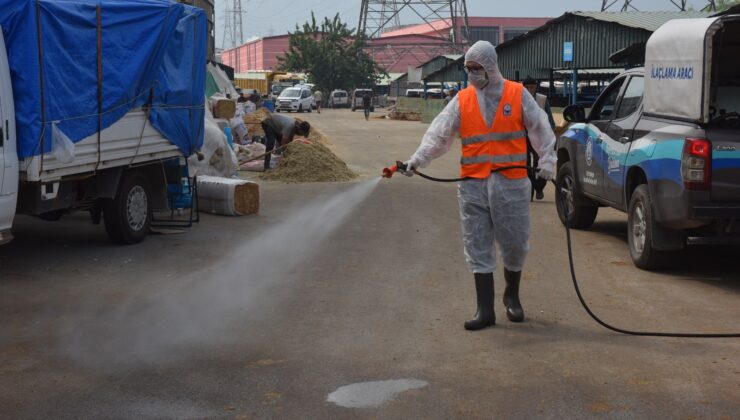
[(624, 139)]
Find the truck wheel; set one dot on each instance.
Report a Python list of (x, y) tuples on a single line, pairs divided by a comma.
[(128, 215), (300, 108), (640, 228), (353, 109), (570, 212), (277, 110)]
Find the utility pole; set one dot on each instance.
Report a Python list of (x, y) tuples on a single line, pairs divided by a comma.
[(626, 5), (233, 25), (379, 16)]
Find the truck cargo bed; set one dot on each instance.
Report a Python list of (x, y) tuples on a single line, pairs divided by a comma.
[(130, 140)]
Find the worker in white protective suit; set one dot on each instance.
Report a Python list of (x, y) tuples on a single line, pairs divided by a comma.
[(493, 117)]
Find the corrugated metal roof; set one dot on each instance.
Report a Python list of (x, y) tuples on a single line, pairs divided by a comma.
[(649, 21)]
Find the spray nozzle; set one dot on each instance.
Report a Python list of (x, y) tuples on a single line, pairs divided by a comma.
[(389, 171)]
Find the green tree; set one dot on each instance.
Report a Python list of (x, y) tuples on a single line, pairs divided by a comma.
[(723, 5), (332, 55)]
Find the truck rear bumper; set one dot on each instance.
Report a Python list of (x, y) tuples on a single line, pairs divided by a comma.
[(716, 211)]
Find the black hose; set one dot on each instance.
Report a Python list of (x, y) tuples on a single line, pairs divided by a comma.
[(503, 168), (575, 280)]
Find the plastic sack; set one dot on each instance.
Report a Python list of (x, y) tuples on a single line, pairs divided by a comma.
[(62, 146), (217, 158), (238, 129)]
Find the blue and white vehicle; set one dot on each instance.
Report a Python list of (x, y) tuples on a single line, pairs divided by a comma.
[(662, 143)]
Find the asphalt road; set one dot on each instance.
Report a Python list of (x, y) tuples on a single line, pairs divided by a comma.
[(92, 330)]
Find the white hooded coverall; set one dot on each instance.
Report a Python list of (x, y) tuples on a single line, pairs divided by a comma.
[(496, 209)]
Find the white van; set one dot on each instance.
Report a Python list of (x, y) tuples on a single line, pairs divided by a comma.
[(296, 98), (339, 99)]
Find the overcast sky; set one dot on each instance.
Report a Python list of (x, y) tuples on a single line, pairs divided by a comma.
[(276, 17)]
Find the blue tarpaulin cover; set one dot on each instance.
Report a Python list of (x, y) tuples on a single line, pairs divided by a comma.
[(153, 54)]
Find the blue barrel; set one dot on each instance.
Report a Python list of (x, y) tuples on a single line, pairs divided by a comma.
[(269, 105)]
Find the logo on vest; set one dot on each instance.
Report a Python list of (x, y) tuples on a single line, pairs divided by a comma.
[(507, 110)]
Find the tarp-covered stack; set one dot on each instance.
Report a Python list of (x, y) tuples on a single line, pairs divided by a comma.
[(83, 64)]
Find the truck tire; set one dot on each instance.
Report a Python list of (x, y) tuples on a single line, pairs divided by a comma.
[(640, 229), (127, 216), (571, 213), (300, 108), (353, 109)]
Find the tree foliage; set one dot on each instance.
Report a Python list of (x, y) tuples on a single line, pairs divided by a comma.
[(332, 55), (723, 5)]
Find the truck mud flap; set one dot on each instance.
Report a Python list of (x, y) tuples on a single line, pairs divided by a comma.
[(665, 239)]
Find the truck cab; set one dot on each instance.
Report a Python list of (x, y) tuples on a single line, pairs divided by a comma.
[(662, 143), (8, 156)]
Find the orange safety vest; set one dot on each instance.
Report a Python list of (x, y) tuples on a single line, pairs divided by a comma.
[(504, 144)]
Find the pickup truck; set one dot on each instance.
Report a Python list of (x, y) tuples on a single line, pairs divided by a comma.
[(662, 143), (100, 116)]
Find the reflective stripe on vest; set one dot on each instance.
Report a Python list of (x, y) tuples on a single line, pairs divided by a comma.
[(485, 148), (494, 159), (494, 137)]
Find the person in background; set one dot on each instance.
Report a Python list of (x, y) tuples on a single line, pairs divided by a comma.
[(367, 102), (538, 184), (250, 105), (450, 94), (318, 97), (280, 130)]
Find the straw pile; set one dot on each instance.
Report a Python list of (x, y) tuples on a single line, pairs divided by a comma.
[(254, 120), (309, 162)]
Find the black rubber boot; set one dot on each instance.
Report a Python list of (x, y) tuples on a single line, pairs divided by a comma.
[(484, 316), (514, 310)]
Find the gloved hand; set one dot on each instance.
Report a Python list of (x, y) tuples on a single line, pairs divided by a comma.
[(410, 166), (546, 171)]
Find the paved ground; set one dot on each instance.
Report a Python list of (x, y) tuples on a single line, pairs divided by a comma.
[(90, 330)]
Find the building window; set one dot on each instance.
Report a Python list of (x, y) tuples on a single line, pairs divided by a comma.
[(484, 33), (511, 33)]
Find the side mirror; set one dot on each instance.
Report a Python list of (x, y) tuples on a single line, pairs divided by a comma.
[(574, 113)]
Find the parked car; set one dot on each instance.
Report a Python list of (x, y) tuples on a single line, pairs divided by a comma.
[(661, 143), (435, 93), (297, 98), (414, 93), (339, 99), (357, 96)]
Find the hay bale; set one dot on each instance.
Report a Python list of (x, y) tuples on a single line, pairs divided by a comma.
[(405, 116), (309, 162), (228, 196)]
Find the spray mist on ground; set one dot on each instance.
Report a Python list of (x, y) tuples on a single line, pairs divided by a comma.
[(168, 318)]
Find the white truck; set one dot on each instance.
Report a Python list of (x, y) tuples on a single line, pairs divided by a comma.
[(119, 174)]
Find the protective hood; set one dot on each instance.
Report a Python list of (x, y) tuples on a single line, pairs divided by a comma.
[(484, 53)]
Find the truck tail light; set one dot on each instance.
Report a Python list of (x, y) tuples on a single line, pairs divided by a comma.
[(696, 164)]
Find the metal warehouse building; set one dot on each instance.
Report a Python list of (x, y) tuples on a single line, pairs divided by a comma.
[(579, 44)]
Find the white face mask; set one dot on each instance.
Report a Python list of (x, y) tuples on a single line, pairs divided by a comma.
[(478, 80)]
